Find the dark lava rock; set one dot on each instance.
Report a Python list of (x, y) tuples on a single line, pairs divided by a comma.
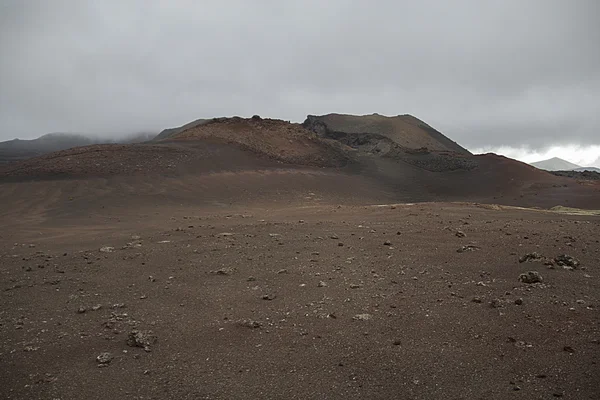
[(530, 277), (565, 260)]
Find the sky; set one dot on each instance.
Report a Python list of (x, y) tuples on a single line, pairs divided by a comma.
[(517, 77)]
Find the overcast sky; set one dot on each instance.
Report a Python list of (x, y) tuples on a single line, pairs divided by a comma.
[(519, 74)]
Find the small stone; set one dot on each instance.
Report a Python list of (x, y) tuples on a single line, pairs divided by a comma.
[(355, 286), (340, 244), (530, 277), (143, 339), (466, 248), (322, 284), (224, 271), (565, 260), (81, 310), (268, 297), (530, 257), (334, 236), (580, 301), (107, 249), (477, 300), (362, 317), (282, 271), (519, 301), (495, 303), (96, 307), (460, 234), (104, 358), (248, 323), (516, 388), (569, 349), (387, 243), (251, 279), (397, 342)]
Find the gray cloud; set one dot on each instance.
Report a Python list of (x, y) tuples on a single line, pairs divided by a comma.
[(493, 73)]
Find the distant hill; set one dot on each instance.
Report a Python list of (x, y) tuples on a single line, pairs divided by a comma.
[(555, 164), (18, 149)]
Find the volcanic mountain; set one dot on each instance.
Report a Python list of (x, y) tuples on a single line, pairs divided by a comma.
[(352, 158)]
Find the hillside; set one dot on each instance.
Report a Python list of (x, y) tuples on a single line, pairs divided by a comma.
[(250, 155), (555, 164)]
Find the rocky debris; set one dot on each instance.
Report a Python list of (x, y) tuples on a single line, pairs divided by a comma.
[(144, 339), (268, 297), (282, 271), (468, 247), (362, 317), (460, 234), (397, 342), (225, 234), (334, 236), (530, 277), (322, 284), (387, 243), (529, 257), (565, 260), (477, 300), (96, 307), (569, 349), (81, 310), (107, 249), (104, 359), (355, 286)]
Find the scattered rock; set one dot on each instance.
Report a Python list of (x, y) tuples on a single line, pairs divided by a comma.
[(81, 310), (104, 359), (519, 301), (107, 249), (362, 317), (248, 323), (531, 277), (322, 284), (569, 349), (460, 234), (529, 257), (96, 307), (477, 300), (224, 271), (565, 260), (397, 342), (387, 243), (142, 339), (225, 234), (496, 303), (251, 279), (268, 297), (355, 286), (334, 236), (468, 247), (282, 271)]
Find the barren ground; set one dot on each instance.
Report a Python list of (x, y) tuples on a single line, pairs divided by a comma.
[(309, 293)]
